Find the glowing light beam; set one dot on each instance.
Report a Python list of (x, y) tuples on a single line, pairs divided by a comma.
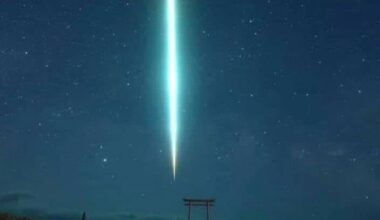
[(172, 79)]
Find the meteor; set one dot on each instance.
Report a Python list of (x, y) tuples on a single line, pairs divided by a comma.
[(172, 79)]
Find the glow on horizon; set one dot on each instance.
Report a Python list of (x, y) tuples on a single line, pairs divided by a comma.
[(172, 80)]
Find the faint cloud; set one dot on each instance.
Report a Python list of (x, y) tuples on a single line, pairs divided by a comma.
[(14, 198)]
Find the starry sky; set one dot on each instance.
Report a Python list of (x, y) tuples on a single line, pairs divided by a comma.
[(280, 108)]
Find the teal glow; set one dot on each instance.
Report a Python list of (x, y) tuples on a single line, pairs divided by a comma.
[(172, 80)]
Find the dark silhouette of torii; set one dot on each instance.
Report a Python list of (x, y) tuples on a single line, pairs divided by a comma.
[(199, 202)]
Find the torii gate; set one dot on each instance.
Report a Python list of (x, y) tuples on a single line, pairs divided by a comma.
[(199, 202)]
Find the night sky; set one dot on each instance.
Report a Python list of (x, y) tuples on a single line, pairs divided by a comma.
[(279, 115)]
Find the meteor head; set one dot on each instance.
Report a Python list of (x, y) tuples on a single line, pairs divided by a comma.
[(174, 161)]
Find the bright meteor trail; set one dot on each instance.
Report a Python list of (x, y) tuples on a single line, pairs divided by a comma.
[(172, 79)]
